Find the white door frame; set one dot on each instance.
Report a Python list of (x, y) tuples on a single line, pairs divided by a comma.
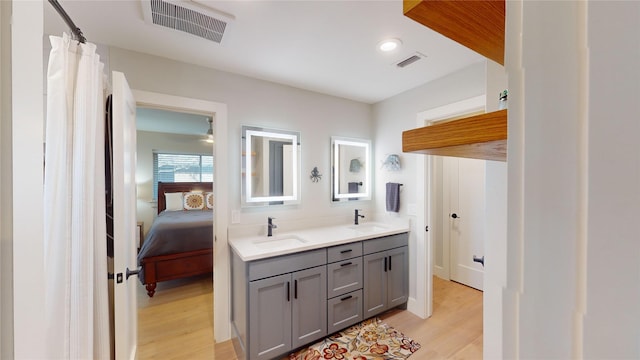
[(218, 111), (423, 303)]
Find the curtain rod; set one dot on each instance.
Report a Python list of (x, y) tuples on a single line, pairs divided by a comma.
[(77, 33)]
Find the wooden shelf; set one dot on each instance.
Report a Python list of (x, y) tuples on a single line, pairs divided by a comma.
[(479, 137), (478, 24)]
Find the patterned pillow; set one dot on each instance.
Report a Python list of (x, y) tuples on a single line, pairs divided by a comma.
[(209, 202), (193, 201), (173, 201)]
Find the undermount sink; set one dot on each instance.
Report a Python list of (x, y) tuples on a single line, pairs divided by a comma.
[(284, 240), (369, 227)]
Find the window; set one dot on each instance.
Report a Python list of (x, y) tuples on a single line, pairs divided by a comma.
[(181, 168)]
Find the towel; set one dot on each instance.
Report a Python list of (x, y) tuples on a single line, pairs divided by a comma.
[(393, 197), (353, 187)]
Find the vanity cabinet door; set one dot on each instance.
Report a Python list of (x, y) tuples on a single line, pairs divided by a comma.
[(397, 276), (309, 302), (385, 280), (375, 284), (270, 317)]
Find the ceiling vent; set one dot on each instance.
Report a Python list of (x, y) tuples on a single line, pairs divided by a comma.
[(188, 17), (410, 60)]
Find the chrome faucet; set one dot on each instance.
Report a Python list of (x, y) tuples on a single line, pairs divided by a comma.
[(355, 219), (270, 226)]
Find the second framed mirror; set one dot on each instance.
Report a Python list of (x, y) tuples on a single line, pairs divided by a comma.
[(351, 165)]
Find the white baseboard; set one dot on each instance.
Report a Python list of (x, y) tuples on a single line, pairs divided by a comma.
[(414, 308), (440, 272)]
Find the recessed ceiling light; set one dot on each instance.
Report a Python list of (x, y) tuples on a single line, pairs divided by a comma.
[(389, 44)]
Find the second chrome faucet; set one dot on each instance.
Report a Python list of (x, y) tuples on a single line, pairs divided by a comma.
[(357, 217)]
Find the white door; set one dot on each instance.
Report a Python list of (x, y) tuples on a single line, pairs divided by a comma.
[(124, 218), (465, 180)]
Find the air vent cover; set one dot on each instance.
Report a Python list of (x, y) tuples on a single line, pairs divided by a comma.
[(181, 18), (410, 60)]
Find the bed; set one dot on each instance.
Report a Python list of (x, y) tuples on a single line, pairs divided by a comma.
[(178, 244)]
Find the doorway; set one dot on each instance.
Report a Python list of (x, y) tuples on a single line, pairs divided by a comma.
[(217, 112), (463, 208), (172, 147), (429, 250)]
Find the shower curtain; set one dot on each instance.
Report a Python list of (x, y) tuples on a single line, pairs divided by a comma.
[(77, 314)]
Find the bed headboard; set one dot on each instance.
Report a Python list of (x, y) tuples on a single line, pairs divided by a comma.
[(171, 187)]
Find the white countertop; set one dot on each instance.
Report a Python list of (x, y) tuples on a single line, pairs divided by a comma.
[(259, 247)]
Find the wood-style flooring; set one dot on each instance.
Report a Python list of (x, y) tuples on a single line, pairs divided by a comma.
[(177, 323)]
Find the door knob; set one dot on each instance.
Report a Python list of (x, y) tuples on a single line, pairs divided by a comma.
[(455, 216)]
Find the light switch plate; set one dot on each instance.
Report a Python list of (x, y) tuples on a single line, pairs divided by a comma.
[(412, 209), (235, 216)]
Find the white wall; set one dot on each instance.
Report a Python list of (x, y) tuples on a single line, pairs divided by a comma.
[(147, 142), (256, 102), (495, 236), (397, 114), (609, 260), (573, 285), (22, 170), (6, 228), (544, 177)]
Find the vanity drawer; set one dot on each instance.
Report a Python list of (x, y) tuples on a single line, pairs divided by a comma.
[(344, 276), (344, 311), (343, 252), (385, 243), (264, 268)]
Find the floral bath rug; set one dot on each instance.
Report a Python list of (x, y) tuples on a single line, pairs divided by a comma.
[(371, 339)]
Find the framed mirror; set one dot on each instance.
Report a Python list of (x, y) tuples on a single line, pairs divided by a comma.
[(270, 166), (351, 166)]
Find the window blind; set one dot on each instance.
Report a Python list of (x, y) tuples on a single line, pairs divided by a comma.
[(169, 167)]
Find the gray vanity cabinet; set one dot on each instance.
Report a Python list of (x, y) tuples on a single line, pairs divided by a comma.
[(386, 270), (284, 302), (284, 306)]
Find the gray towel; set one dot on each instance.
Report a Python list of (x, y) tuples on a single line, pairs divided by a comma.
[(353, 187), (393, 197)]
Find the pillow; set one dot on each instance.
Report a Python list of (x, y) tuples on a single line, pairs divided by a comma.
[(173, 201), (193, 201), (209, 198)]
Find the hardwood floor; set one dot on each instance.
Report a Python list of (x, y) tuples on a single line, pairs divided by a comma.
[(454, 331), (177, 323)]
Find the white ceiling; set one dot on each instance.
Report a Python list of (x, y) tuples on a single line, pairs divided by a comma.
[(323, 46), (171, 122)]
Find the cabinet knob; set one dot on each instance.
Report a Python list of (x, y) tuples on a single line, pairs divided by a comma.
[(455, 216)]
